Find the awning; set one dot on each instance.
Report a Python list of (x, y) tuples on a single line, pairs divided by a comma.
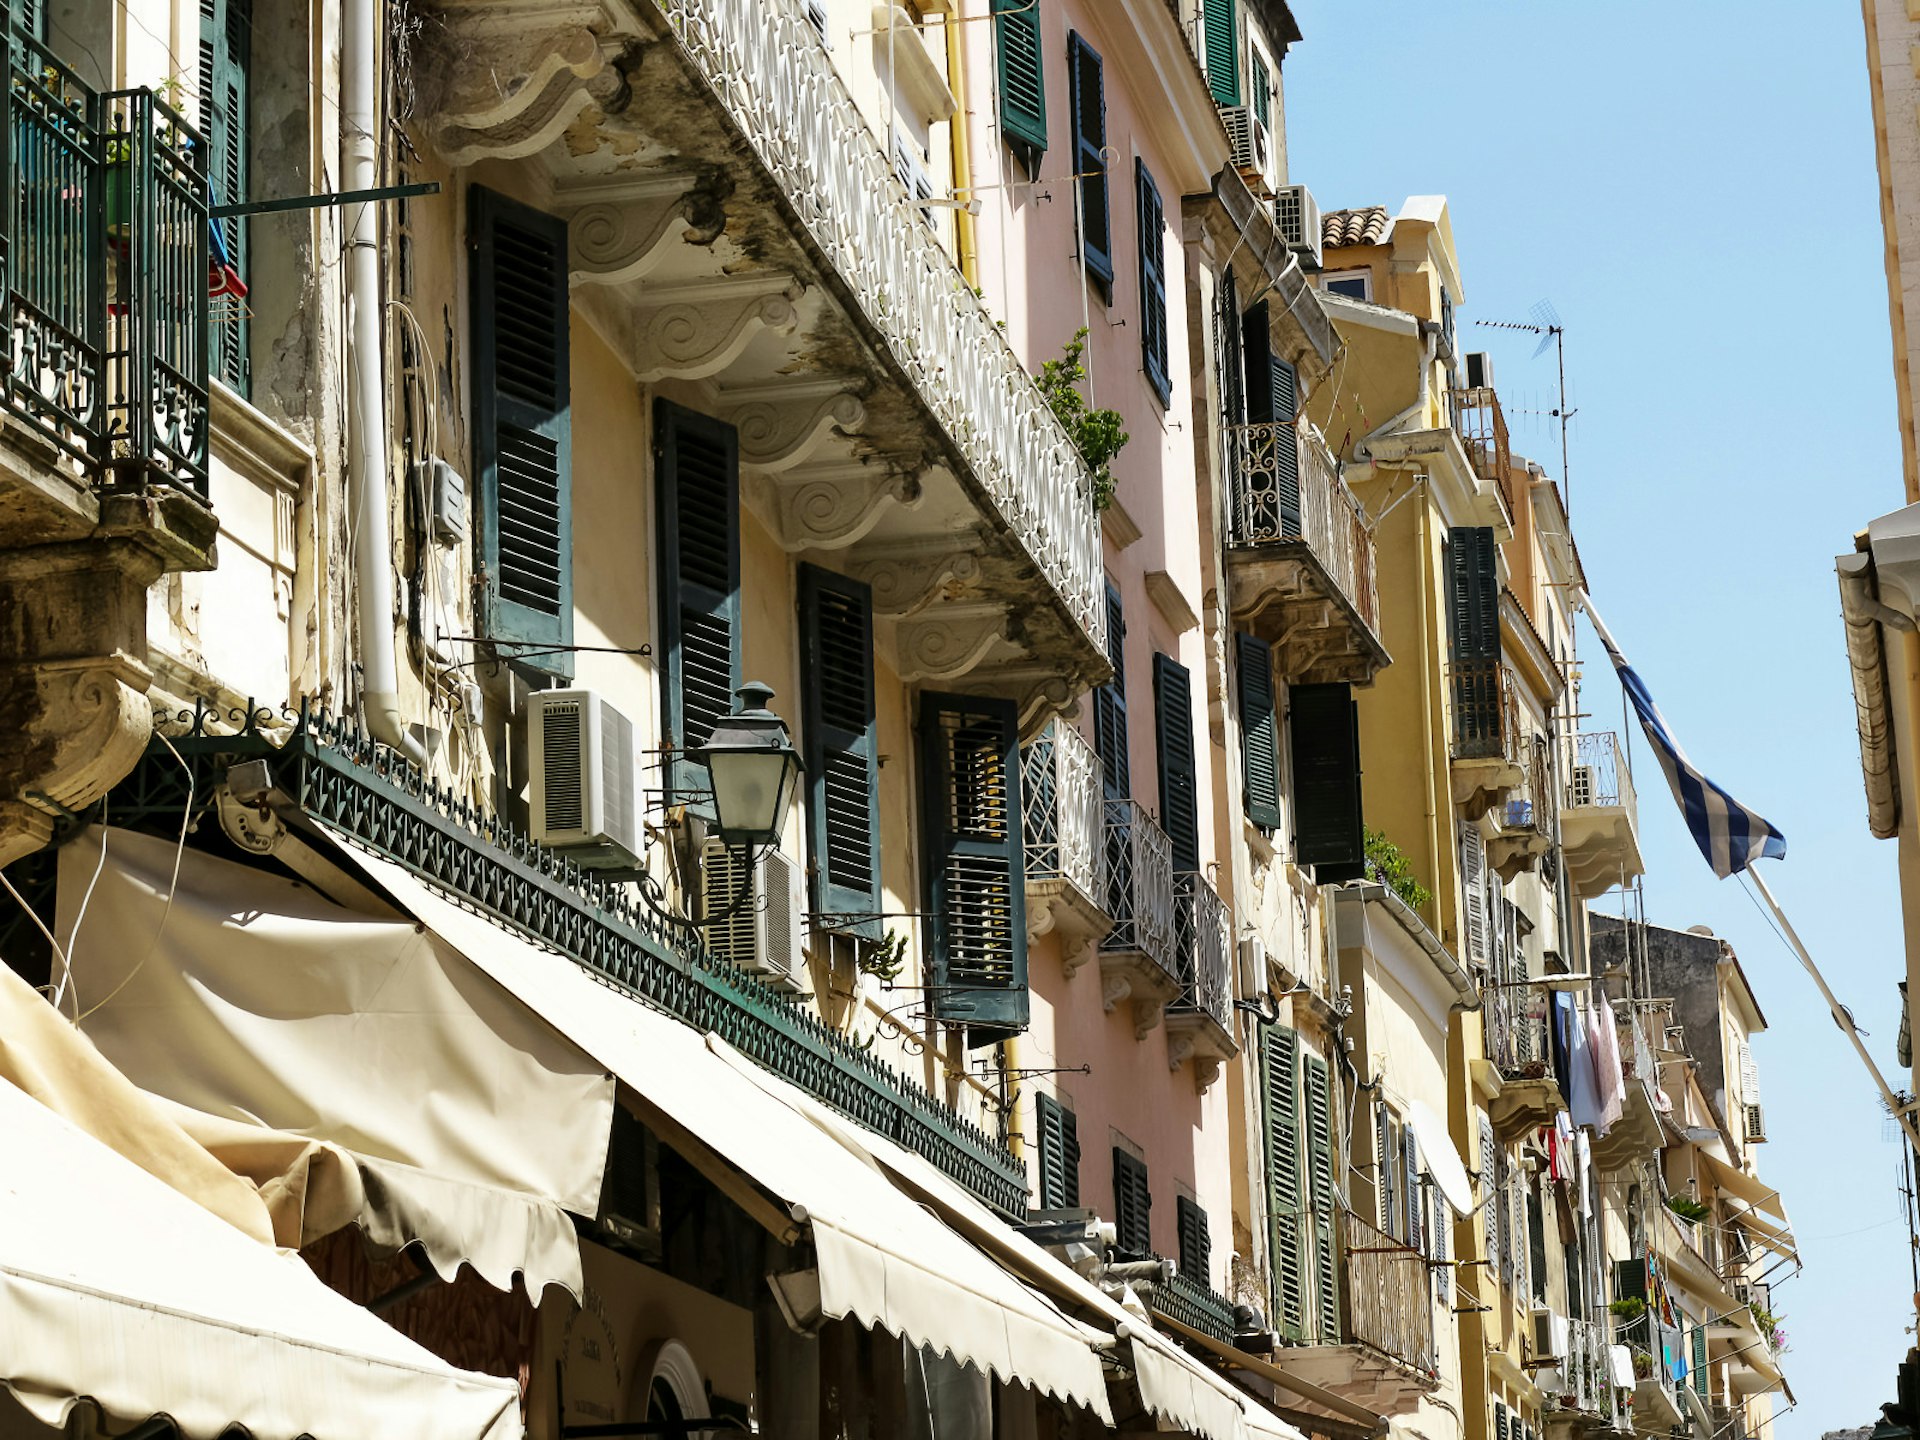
[(284, 1028), (1777, 1238), (1442, 1160), (1750, 1188), (882, 1260), (116, 1288)]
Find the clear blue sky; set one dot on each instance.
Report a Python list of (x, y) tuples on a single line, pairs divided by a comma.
[(1692, 186)]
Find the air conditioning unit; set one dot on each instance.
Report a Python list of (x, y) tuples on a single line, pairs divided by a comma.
[(1297, 214), (1479, 369), (764, 935), (1584, 787), (1247, 137), (583, 797), (1543, 1335), (1756, 1125)]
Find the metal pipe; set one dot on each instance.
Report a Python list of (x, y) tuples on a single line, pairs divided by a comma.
[(1860, 610)]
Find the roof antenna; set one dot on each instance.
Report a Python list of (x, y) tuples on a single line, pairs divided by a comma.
[(1546, 324)]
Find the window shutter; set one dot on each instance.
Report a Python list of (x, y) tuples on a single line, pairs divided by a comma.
[(1132, 1205), (1491, 1201), (522, 431), (1059, 1153), (1416, 1195), (1323, 729), (1700, 1360), (1473, 560), (970, 768), (1110, 707), (1179, 790), (1273, 398), (1442, 1245), (226, 31), (841, 749), (1232, 368), (31, 16), (1262, 85), (1222, 37), (1280, 1097), (1259, 732), (697, 481), (1473, 894), (1153, 281), (1384, 1174), (1196, 1246), (1022, 75), (1749, 1076), (1089, 163), (1537, 1246), (1319, 1116)]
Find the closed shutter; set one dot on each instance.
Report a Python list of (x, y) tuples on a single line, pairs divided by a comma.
[(226, 39), (1416, 1194), (1475, 925), (1280, 1099), (1261, 84), (1502, 1422), (1491, 1198), (1132, 1205), (1022, 76), (1179, 790), (1110, 707), (1153, 281), (1699, 1361), (1517, 1209), (1273, 398), (31, 16), (1749, 1076), (1259, 732), (1232, 369), (976, 890), (522, 431), (1089, 160), (1323, 729), (1473, 562), (1319, 1126), (697, 479), (1196, 1246), (1059, 1153), (1222, 47), (841, 749)]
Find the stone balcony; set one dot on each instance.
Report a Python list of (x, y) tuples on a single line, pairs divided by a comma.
[(1389, 1362), (1487, 757), (1599, 824), (1516, 1018), (739, 237)]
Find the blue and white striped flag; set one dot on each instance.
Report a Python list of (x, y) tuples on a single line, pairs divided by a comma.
[(1729, 835)]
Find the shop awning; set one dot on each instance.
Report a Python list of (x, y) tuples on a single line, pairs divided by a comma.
[(351, 1066), (116, 1288)]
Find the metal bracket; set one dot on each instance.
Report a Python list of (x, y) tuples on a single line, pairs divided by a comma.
[(322, 202)]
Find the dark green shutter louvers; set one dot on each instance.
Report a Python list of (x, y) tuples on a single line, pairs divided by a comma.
[(1318, 1092), (1222, 51), (1232, 369), (1385, 1177), (1059, 1153), (1179, 788), (1272, 398), (1153, 281), (1022, 74), (1196, 1245), (226, 35), (1699, 1361), (970, 771), (697, 485), (1089, 161), (1280, 1099), (1474, 599), (1132, 1205), (1110, 708), (841, 750), (522, 431), (1262, 86), (1324, 732), (1259, 732)]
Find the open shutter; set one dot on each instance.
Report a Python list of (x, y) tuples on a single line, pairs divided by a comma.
[(1110, 707), (1385, 1169), (1059, 1153), (1179, 789), (1273, 398), (976, 889), (1132, 1204), (1442, 1248), (226, 35), (522, 431), (1196, 1246), (1021, 74), (1319, 1126), (1323, 729), (1699, 1362), (1749, 1076), (1222, 50), (1261, 84), (1259, 732), (1416, 1194), (841, 749), (1280, 1101), (1491, 1200), (1089, 160), (1475, 924), (697, 479), (1153, 281), (1233, 393)]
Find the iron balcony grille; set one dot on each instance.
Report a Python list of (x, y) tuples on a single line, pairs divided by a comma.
[(1518, 1035), (1191, 1302), (1486, 711), (1203, 947), (1599, 775), (1061, 790), (1139, 885), (1388, 1296), (1482, 428)]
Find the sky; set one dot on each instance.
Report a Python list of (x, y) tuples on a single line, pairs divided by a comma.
[(1692, 187)]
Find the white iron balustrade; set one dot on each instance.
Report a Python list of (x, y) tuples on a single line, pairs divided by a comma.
[(1203, 944), (1061, 788), (1139, 886)]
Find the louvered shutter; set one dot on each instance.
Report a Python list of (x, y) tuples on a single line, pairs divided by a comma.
[(1232, 368), (1059, 1154), (1492, 1200), (697, 481), (1319, 1126), (1153, 280), (1700, 1361), (1280, 1097), (841, 749), (1323, 730), (1261, 83), (1416, 1195), (1179, 789), (522, 431), (1385, 1175), (226, 40), (1110, 707), (31, 16), (1442, 1248), (1502, 1421), (1259, 732), (1473, 560), (1196, 1246), (1517, 1208), (1536, 1245), (1132, 1205), (1222, 50), (1272, 398), (1089, 162), (1022, 75), (976, 889), (1473, 894), (1749, 1076)]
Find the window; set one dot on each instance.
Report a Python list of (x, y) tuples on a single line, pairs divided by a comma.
[(1318, 1095), (1132, 1205), (1059, 1153), (1288, 1219), (1179, 789), (1220, 41), (1537, 1246), (1196, 1248), (1262, 86), (1354, 284), (1021, 79), (910, 165), (1259, 732), (1090, 161), (522, 434), (1153, 282), (841, 749), (226, 31), (1323, 729), (697, 487)]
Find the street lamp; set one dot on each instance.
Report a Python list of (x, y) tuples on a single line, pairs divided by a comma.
[(752, 766)]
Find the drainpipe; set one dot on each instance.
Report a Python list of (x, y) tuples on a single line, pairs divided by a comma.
[(1864, 613), (368, 499), (964, 240)]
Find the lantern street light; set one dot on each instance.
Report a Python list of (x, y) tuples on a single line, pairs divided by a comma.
[(752, 766)]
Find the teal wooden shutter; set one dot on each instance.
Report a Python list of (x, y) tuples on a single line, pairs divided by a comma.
[(1273, 398), (697, 488), (1280, 1103), (1179, 789), (1153, 281), (1059, 1153), (1110, 707), (1222, 50), (226, 42), (31, 16), (1699, 1361), (1196, 1245), (841, 749), (1089, 99), (1262, 86), (522, 431), (1319, 1126), (1259, 731), (1323, 729), (1022, 76), (1132, 1205), (970, 770), (1474, 593)]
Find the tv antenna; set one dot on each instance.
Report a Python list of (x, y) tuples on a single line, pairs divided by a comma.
[(1546, 324)]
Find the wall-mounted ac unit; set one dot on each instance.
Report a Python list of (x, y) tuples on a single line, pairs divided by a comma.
[(1247, 139), (1297, 214), (1584, 786), (1756, 1125), (1479, 369), (583, 798), (1543, 1346), (764, 935)]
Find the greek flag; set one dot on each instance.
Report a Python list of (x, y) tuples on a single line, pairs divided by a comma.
[(1729, 835)]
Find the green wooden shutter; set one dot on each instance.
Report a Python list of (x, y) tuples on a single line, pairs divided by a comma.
[(841, 750), (976, 888), (1280, 1102), (1473, 561), (226, 42), (1222, 46), (1022, 75), (1319, 1126), (1132, 1205), (522, 429), (1323, 731), (31, 16), (1699, 1361), (697, 488), (1179, 789), (1153, 281), (1059, 1153), (1273, 390), (1262, 85), (1259, 732), (1196, 1246), (1089, 99), (1110, 707)]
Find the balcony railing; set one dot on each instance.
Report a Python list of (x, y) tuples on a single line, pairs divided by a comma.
[(1203, 947), (1139, 885), (766, 63), (1389, 1304), (1191, 1302), (1061, 789), (1486, 713), (1286, 489), (1599, 775), (1482, 428), (1586, 1371), (1529, 806), (1517, 1024), (103, 266)]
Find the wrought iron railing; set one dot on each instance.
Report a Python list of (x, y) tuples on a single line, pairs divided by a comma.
[(768, 66), (1486, 712), (1387, 1296), (1191, 1302), (1061, 791), (1139, 885), (1518, 1040), (1203, 949), (1285, 489), (1599, 775), (1530, 805), (1482, 427)]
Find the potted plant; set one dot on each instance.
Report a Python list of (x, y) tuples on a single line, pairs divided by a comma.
[(1642, 1364), (1688, 1209), (1628, 1308)]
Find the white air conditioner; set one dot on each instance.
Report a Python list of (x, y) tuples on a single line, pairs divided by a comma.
[(1756, 1125), (1543, 1348), (583, 798), (1479, 369), (763, 936), (1247, 137), (1584, 787), (1297, 214)]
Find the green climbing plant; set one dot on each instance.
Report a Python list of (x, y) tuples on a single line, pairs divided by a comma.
[(1097, 434), (1390, 868)]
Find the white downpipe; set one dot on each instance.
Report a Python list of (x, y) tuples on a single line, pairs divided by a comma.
[(368, 499)]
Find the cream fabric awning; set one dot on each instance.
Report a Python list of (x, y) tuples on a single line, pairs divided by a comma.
[(883, 1260), (1749, 1188), (116, 1288), (353, 1067)]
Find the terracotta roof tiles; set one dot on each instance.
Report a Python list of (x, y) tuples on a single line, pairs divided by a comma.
[(1364, 226)]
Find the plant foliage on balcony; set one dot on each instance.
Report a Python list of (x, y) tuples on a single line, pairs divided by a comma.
[(1096, 433), (1689, 1209), (1390, 868)]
